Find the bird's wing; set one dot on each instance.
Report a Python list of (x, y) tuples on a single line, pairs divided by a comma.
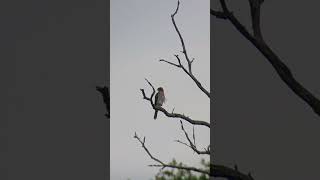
[(156, 98), (161, 99)]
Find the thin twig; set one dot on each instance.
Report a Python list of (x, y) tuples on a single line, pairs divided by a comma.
[(177, 65)]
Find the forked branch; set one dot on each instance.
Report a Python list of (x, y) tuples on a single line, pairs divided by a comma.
[(163, 165), (189, 61), (215, 170), (191, 144)]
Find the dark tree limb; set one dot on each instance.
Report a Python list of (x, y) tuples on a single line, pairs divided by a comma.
[(229, 173), (191, 144), (218, 14), (104, 91), (163, 165), (184, 51), (171, 115), (282, 70), (255, 6)]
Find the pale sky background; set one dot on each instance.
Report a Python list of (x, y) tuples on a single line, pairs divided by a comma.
[(141, 34)]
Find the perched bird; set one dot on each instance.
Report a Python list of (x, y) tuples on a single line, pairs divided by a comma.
[(159, 100)]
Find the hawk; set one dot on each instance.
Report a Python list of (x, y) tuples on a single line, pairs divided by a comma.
[(159, 100)]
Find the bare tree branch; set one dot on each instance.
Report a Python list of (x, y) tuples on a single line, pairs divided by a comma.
[(172, 115), (255, 6), (191, 144), (104, 91), (164, 165), (193, 136), (229, 173), (215, 170), (218, 14), (282, 70), (184, 51), (177, 65), (145, 148)]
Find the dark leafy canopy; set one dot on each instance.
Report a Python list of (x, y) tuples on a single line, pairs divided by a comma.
[(180, 174)]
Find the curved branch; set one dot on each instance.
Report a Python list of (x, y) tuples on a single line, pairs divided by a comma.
[(164, 165), (282, 70), (172, 115), (181, 116)]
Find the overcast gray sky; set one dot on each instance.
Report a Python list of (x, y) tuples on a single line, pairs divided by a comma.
[(141, 34)]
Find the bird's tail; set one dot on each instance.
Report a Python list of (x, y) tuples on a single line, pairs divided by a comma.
[(155, 114)]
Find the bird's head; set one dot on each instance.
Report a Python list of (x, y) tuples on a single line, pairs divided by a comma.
[(160, 89)]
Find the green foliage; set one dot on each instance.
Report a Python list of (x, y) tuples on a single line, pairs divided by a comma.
[(179, 174)]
